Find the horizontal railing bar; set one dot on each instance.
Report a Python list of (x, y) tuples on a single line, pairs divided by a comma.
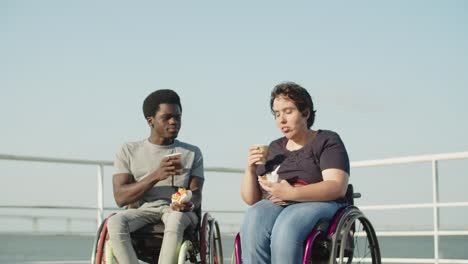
[(362, 207), (355, 164), (419, 233), (50, 217), (223, 169), (422, 260), (55, 160), (49, 207), (411, 206), (57, 262), (96, 162), (384, 260), (94, 208), (409, 159)]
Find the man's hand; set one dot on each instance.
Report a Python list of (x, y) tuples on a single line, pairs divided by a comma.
[(182, 207), (169, 166)]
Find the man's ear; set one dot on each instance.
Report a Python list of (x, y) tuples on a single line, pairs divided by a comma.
[(306, 113), (150, 121)]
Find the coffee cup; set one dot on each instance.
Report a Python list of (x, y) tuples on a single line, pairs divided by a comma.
[(264, 152)]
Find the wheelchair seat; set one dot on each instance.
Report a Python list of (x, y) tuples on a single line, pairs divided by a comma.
[(348, 237), (147, 241), (201, 243)]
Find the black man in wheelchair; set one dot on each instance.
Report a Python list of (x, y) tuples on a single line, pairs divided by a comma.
[(147, 173)]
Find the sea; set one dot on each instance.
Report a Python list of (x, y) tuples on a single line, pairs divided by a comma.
[(74, 248)]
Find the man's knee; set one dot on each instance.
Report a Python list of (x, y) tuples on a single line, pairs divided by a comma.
[(176, 222), (116, 224)]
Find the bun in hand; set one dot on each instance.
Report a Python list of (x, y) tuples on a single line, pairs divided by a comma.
[(182, 196)]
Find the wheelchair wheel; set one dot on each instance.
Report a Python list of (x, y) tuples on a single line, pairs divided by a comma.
[(205, 237), (216, 244), (211, 246), (102, 252), (355, 240), (317, 250), (186, 253), (96, 241), (235, 257)]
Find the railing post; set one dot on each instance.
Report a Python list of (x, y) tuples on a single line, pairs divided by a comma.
[(100, 194), (35, 225), (435, 208), (68, 225)]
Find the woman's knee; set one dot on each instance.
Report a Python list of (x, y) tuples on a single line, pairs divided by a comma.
[(284, 234), (261, 214), (258, 222)]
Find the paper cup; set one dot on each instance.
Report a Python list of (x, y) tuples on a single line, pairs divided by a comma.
[(264, 150)]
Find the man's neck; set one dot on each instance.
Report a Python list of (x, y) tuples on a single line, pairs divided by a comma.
[(158, 140)]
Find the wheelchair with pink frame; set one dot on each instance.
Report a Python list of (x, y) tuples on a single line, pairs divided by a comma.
[(201, 244), (348, 237)]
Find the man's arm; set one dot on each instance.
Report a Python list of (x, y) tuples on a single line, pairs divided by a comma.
[(127, 191), (196, 186)]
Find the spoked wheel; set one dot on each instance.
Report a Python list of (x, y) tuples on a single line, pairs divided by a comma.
[(102, 250), (211, 248), (205, 238), (235, 258), (356, 241), (216, 244)]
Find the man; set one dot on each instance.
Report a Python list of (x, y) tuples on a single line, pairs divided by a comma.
[(146, 178)]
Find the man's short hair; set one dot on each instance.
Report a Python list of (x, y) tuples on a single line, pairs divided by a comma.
[(163, 96)]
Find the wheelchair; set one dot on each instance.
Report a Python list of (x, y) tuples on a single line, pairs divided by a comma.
[(201, 244), (348, 237)]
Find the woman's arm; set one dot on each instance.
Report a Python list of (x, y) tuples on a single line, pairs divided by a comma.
[(333, 186), (250, 189)]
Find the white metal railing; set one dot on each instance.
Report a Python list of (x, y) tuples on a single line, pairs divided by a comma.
[(434, 159), (435, 205)]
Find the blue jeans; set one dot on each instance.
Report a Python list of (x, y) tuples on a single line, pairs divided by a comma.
[(274, 234)]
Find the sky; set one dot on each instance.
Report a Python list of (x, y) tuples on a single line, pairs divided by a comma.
[(389, 77)]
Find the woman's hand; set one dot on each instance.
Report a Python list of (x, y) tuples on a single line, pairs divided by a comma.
[(250, 190), (281, 190), (255, 155)]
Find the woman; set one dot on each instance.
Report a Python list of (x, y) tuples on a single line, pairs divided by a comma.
[(313, 171)]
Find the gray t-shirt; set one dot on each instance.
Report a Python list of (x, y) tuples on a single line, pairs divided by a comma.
[(143, 157)]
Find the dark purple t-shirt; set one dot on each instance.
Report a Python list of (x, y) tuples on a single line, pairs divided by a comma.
[(325, 151)]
